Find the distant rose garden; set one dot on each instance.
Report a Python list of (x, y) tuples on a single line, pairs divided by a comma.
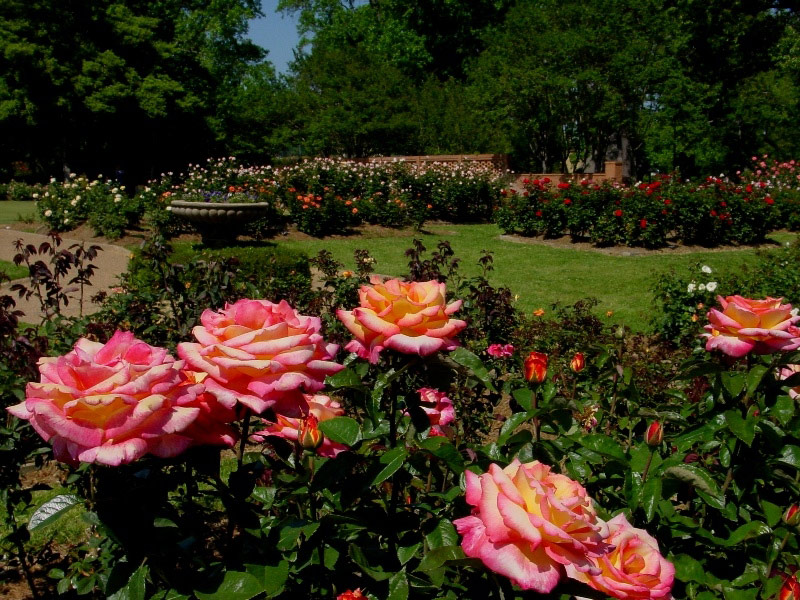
[(236, 437)]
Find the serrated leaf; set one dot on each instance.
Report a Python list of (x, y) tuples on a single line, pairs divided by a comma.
[(52, 510), (444, 534), (744, 429), (346, 378), (510, 425), (697, 476), (235, 585), (524, 397), (406, 553), (393, 459), (790, 455), (603, 445), (783, 410), (438, 556), (134, 589), (467, 359), (398, 587), (733, 382), (341, 429), (772, 512), (272, 578), (651, 495)]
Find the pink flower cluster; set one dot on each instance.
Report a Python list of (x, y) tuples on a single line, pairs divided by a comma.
[(535, 526), (439, 410)]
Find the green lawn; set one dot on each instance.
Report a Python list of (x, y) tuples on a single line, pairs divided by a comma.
[(12, 270), (539, 275), (12, 211)]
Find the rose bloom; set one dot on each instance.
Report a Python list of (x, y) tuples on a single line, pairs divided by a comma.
[(439, 409), (113, 403), (744, 325), (409, 317), (320, 407), (351, 595), (634, 567), (500, 350), (256, 352), (529, 523)]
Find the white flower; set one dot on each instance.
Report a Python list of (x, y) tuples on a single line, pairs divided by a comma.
[(705, 269), (74, 202), (48, 213), (52, 180), (35, 195), (711, 286), (702, 287), (122, 187), (114, 190), (78, 197), (691, 288), (66, 221), (73, 175)]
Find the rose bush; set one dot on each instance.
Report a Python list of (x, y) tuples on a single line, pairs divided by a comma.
[(113, 403), (409, 317), (256, 352), (745, 325)]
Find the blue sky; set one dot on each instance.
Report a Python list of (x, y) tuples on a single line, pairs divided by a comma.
[(277, 33)]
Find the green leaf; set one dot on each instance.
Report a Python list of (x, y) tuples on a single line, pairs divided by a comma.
[(346, 378), (790, 455), (164, 522), (783, 410), (406, 553), (393, 459), (341, 429), (272, 578), (511, 424), (736, 594), (265, 495), (290, 532), (745, 532), (651, 495), (524, 397), (444, 534), (733, 382), (357, 554), (754, 378), (135, 588), (438, 556), (772, 512), (467, 359), (398, 586), (697, 476), (744, 429), (52, 510), (603, 445), (235, 585), (688, 569)]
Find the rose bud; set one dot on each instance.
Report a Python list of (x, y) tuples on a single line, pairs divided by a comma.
[(792, 515), (654, 434), (308, 435), (578, 362), (536, 367)]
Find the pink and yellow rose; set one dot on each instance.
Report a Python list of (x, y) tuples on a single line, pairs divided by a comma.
[(255, 352), (787, 372), (319, 408), (409, 317), (744, 325), (632, 569), (113, 403), (529, 524)]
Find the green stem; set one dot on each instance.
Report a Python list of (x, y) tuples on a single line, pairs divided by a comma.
[(536, 424), (243, 441), (647, 466)]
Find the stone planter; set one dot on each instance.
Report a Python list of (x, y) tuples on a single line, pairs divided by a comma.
[(220, 222)]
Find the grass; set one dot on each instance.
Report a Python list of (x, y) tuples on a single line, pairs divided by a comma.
[(12, 270), (540, 275), (12, 211)]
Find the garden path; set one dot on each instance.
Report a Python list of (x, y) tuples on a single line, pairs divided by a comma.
[(110, 263)]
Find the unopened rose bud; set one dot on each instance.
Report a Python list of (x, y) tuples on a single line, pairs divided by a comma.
[(792, 515), (578, 362), (536, 367), (308, 434), (654, 434)]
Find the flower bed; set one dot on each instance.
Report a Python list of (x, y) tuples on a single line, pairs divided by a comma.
[(452, 449)]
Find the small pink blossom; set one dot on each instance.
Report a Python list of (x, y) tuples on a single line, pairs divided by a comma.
[(500, 350)]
